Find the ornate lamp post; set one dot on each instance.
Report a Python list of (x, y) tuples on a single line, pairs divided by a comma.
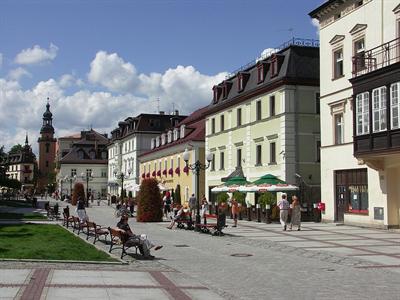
[(122, 176), (196, 167), (87, 176)]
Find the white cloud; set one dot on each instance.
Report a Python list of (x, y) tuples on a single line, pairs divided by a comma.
[(267, 52), (126, 93), (110, 71), (17, 73), (36, 55), (315, 23)]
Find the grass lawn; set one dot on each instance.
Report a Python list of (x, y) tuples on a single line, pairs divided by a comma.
[(52, 242), (26, 216), (15, 203)]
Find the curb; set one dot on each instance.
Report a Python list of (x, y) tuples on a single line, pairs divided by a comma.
[(65, 261)]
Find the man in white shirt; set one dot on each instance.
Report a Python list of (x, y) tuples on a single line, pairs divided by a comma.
[(284, 206)]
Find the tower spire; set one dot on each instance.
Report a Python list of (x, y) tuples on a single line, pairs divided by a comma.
[(26, 139)]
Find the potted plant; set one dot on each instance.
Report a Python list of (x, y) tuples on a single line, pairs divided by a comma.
[(241, 200), (267, 200)]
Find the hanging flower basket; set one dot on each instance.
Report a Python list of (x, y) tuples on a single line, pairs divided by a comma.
[(186, 170), (153, 174), (143, 175), (148, 175), (171, 172), (178, 171), (164, 172), (159, 173)]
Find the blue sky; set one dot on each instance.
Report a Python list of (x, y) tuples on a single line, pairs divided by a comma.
[(100, 61)]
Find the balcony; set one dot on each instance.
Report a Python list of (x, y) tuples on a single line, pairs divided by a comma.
[(376, 58)]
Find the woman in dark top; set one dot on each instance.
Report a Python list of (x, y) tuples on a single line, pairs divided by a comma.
[(80, 209)]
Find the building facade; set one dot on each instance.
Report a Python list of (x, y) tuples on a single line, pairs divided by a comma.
[(265, 119), (21, 166), (83, 158), (130, 139), (165, 159), (47, 152), (360, 81)]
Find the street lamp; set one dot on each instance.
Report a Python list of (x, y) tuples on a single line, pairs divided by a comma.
[(122, 176), (87, 176), (196, 167)]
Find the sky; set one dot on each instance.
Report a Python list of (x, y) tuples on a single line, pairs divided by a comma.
[(101, 61)]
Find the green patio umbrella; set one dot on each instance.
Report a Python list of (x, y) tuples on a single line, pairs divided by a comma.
[(236, 181), (269, 183), (233, 184), (269, 179)]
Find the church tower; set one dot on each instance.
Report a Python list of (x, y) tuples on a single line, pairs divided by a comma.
[(47, 150)]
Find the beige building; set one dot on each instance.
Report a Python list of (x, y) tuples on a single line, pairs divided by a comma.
[(360, 75), (165, 159), (265, 119)]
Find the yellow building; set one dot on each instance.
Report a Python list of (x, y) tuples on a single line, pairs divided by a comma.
[(165, 159)]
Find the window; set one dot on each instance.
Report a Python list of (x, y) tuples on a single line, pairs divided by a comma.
[(221, 161), (272, 153), (362, 113), (318, 151), (274, 66), (317, 103), (359, 54), (179, 162), (240, 83), (239, 157), (272, 106), (258, 155), (73, 172), (80, 154), (216, 90), (260, 73), (258, 110), (92, 155), (212, 168), (213, 125), (379, 109), (239, 116), (394, 105), (103, 173), (338, 63), (339, 139), (222, 125), (88, 172), (47, 163), (47, 147)]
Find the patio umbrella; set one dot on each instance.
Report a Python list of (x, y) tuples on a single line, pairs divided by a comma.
[(231, 185), (271, 183), (136, 187)]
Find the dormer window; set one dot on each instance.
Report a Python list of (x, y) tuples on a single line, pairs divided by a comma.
[(274, 66), (169, 136), (242, 80), (226, 88), (163, 139), (261, 71), (217, 93), (176, 134), (182, 134), (158, 141), (92, 154)]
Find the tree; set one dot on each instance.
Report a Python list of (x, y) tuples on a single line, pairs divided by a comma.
[(222, 198), (240, 197), (15, 149), (177, 198), (150, 202), (267, 198), (79, 191)]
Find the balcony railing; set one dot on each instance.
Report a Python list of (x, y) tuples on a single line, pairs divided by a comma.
[(376, 58)]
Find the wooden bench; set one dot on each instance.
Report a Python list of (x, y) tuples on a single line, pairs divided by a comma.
[(120, 237), (77, 225), (52, 212), (95, 230), (67, 219), (185, 219), (217, 224)]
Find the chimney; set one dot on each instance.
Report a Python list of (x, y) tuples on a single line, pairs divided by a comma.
[(162, 113)]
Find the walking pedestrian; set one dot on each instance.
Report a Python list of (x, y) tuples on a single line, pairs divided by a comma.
[(80, 210), (192, 204), (284, 206), (235, 211), (204, 206), (296, 213)]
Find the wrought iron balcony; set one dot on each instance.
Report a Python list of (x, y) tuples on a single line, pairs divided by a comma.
[(376, 58)]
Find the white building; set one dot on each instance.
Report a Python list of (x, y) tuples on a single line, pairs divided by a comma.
[(129, 140), (360, 82), (83, 158)]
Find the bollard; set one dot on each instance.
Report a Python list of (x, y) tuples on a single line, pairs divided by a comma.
[(258, 213)]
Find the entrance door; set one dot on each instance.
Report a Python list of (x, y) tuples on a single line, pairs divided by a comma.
[(340, 202)]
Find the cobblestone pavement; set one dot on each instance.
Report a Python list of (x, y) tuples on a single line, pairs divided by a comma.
[(252, 261)]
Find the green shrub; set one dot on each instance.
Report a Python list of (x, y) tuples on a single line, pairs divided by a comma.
[(267, 198), (222, 198), (150, 202), (240, 197), (79, 191)]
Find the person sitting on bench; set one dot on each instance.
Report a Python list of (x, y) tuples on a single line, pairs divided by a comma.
[(145, 244), (178, 215)]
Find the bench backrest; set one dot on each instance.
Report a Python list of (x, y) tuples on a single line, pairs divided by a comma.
[(91, 224), (118, 233)]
